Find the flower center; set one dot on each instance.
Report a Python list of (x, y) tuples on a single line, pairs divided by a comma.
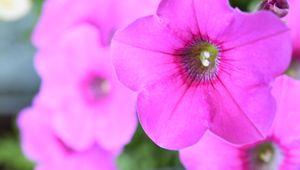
[(99, 88), (207, 54), (95, 88), (265, 155), (200, 60)]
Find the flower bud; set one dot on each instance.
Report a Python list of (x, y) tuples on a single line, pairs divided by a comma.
[(279, 7)]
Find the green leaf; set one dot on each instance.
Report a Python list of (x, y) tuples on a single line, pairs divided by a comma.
[(143, 154), (11, 156)]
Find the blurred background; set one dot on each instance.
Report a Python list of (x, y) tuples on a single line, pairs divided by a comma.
[(19, 83)]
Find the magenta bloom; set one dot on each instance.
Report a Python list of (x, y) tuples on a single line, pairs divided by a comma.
[(199, 64), (108, 15), (42, 145), (294, 24), (280, 150), (79, 84)]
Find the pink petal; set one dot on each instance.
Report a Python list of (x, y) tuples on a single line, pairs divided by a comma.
[(64, 68), (211, 153), (92, 159), (239, 116), (49, 28), (147, 56), (257, 44), (67, 61), (245, 75), (172, 114), (293, 23), (41, 144), (116, 126), (213, 17), (169, 32), (108, 15), (287, 93), (291, 159), (183, 22), (38, 141), (69, 54), (74, 125)]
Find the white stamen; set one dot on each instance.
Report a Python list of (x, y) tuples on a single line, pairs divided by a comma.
[(266, 156), (105, 87), (99, 88), (206, 54), (204, 57)]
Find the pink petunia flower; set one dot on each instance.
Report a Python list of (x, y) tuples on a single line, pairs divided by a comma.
[(41, 144), (108, 15), (294, 24), (199, 64), (79, 84), (280, 150)]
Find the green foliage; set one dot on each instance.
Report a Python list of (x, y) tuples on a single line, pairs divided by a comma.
[(143, 154), (11, 157), (245, 5)]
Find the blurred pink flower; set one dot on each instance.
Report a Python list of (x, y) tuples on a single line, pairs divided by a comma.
[(79, 84), (294, 24), (280, 150), (200, 64), (108, 15), (42, 145)]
